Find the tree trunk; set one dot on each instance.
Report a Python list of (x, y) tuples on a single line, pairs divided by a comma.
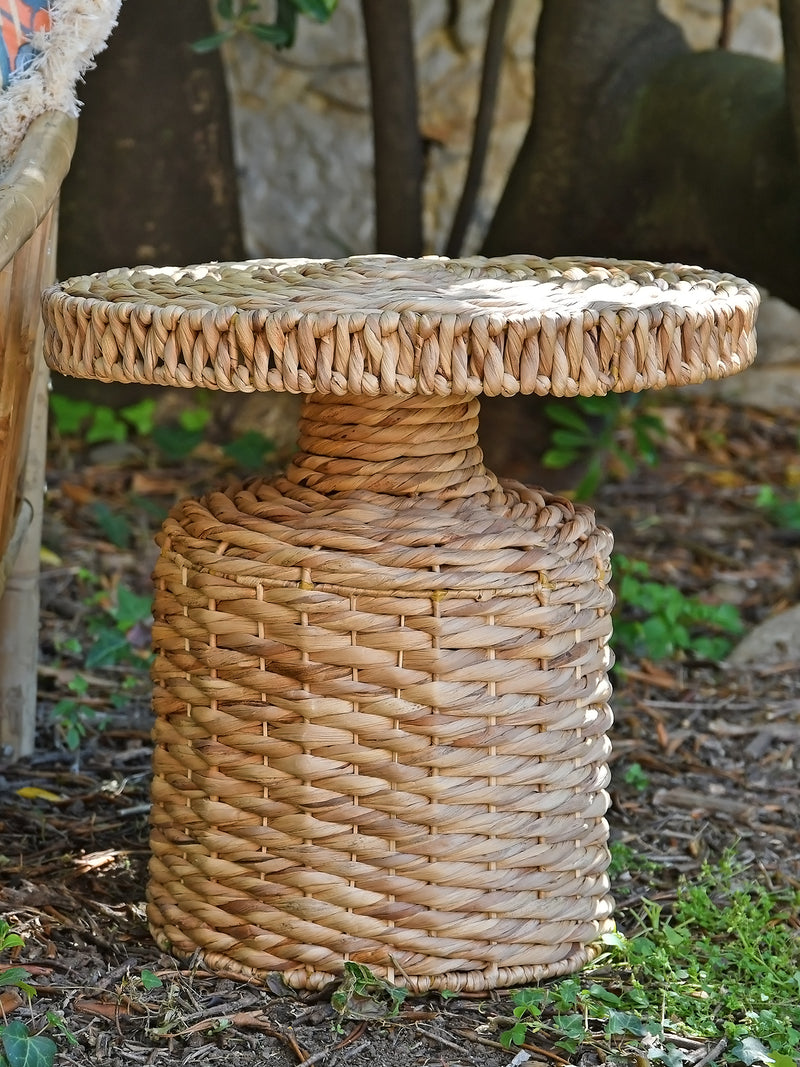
[(590, 61), (395, 127), (639, 148), (153, 178)]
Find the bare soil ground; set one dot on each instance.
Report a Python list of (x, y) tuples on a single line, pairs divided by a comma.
[(718, 747)]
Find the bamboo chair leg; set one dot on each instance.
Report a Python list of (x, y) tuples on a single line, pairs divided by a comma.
[(19, 606)]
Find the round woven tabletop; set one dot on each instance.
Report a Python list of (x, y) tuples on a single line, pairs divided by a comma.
[(383, 325)]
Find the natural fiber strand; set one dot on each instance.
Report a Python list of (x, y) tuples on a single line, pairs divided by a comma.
[(430, 326), (381, 721), (381, 680)]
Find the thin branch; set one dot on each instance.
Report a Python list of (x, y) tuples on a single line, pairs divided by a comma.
[(725, 28), (395, 126), (490, 79)]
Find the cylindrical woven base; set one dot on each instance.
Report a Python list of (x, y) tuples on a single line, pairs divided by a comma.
[(381, 730)]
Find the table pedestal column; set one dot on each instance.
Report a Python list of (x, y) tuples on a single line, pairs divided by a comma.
[(381, 713)]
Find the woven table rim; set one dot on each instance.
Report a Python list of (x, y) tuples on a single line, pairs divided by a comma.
[(540, 327)]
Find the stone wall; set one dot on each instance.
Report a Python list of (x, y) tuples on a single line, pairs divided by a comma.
[(301, 118)]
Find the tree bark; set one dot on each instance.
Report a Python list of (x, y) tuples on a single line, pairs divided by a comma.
[(710, 155), (564, 196), (490, 78), (591, 60), (395, 127), (153, 178), (790, 25), (640, 148)]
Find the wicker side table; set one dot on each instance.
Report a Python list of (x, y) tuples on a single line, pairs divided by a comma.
[(381, 679)]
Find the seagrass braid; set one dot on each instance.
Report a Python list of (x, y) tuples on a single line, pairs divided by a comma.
[(381, 680), (381, 325), (381, 721), (391, 445)]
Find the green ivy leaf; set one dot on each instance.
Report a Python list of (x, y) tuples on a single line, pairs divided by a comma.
[(249, 450), (24, 1050), (177, 441), (115, 526), (605, 996), (18, 977), (109, 645), (750, 1050), (623, 1022), (566, 992), (151, 980), (530, 1000), (779, 1059), (670, 1056), (208, 44), (571, 1026), (69, 415), (106, 425), (321, 10), (140, 416), (130, 608)]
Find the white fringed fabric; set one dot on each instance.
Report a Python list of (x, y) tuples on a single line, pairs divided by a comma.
[(79, 30)]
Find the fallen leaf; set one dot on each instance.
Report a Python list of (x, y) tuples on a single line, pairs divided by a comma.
[(78, 494), (34, 792), (9, 1000)]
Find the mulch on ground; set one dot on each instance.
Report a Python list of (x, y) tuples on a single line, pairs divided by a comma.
[(718, 748)]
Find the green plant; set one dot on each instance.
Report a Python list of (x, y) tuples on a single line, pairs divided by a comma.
[(625, 860), (20, 1048), (97, 423), (113, 622), (594, 427), (657, 620), (635, 777), (362, 995), (114, 524), (175, 439), (249, 450), (179, 439), (723, 964), (237, 17), (113, 625), (73, 718), (780, 512), (150, 980)]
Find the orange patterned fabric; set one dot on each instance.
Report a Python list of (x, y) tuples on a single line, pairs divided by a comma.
[(19, 21)]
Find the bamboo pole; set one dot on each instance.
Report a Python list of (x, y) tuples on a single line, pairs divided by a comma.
[(28, 204), (19, 601), (31, 185)]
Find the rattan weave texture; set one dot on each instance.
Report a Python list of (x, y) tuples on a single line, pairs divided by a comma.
[(381, 680), (379, 324), (381, 721)]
